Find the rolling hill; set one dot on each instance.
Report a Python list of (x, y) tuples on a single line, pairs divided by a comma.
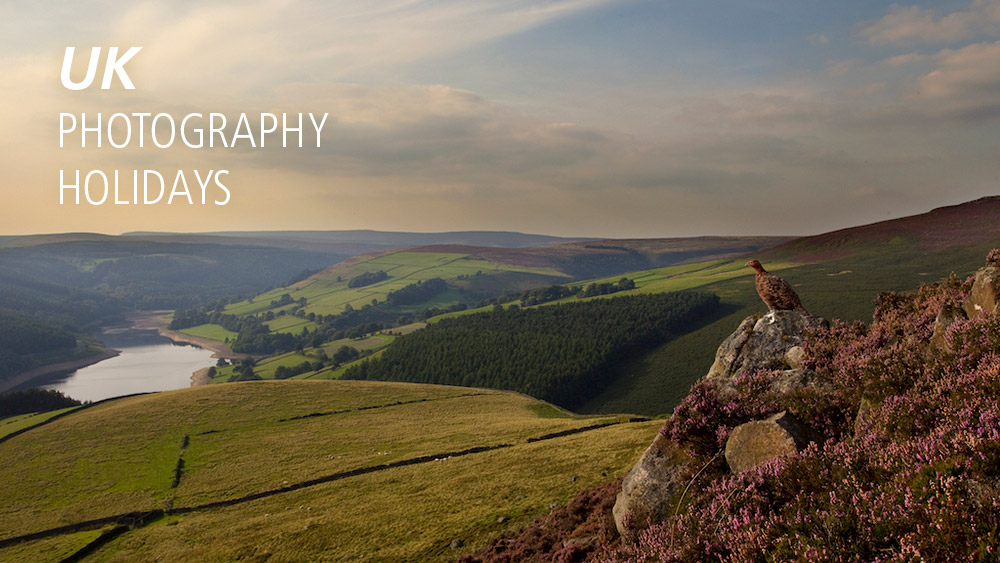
[(499, 269), (275, 469), (837, 275), (384, 289)]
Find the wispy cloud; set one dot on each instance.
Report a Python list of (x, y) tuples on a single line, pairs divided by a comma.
[(903, 24), (965, 82), (432, 127), (244, 46)]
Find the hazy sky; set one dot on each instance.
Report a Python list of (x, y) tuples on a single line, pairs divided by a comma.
[(571, 117)]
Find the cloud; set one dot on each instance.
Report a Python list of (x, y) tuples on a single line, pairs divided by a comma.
[(400, 155), (904, 24), (778, 111), (965, 82), (841, 68), (819, 39), (243, 47), (907, 59)]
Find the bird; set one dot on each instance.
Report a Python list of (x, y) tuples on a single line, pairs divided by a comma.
[(775, 292)]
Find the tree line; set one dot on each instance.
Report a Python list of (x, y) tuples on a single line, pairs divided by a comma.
[(22, 337), (367, 278), (255, 337), (33, 400), (561, 353), (538, 296), (417, 292)]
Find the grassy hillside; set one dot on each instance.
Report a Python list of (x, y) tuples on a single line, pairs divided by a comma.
[(329, 293), (906, 467), (276, 469), (844, 287), (837, 275)]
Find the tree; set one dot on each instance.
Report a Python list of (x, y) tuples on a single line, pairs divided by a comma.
[(345, 354)]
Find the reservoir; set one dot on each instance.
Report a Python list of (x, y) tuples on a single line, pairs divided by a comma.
[(148, 362)]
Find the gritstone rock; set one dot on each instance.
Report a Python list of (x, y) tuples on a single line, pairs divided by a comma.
[(648, 490), (756, 442), (946, 316), (789, 380), (763, 344), (985, 293)]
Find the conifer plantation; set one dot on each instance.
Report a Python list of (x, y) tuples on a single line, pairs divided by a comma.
[(563, 354)]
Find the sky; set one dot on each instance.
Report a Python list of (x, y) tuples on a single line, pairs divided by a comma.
[(597, 118)]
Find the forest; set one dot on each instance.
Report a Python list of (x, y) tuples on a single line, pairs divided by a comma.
[(33, 400), (563, 354), (21, 337)]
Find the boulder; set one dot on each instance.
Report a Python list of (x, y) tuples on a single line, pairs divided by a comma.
[(649, 489), (789, 380), (766, 343), (757, 442), (794, 357), (985, 294), (946, 316)]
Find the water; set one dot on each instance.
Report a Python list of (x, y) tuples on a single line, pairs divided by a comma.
[(148, 362)]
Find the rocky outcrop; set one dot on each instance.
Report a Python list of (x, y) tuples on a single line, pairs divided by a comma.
[(760, 441), (947, 315), (791, 380), (985, 294), (771, 342), (650, 488)]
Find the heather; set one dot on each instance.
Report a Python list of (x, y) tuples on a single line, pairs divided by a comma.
[(568, 534), (909, 471)]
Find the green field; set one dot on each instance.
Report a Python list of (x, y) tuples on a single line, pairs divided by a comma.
[(265, 368), (844, 288), (657, 280), (210, 331), (325, 295), (308, 451), (290, 324), (19, 422)]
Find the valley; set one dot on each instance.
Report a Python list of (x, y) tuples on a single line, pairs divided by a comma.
[(269, 461)]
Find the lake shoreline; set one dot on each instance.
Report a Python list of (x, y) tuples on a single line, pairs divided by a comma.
[(147, 320), (200, 377), (160, 320), (26, 377)]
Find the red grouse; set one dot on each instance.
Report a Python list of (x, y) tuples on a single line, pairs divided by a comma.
[(776, 293)]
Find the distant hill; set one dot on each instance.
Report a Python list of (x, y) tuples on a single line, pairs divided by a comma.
[(608, 257), (76, 279), (837, 275), (354, 243), (365, 293), (968, 224)]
